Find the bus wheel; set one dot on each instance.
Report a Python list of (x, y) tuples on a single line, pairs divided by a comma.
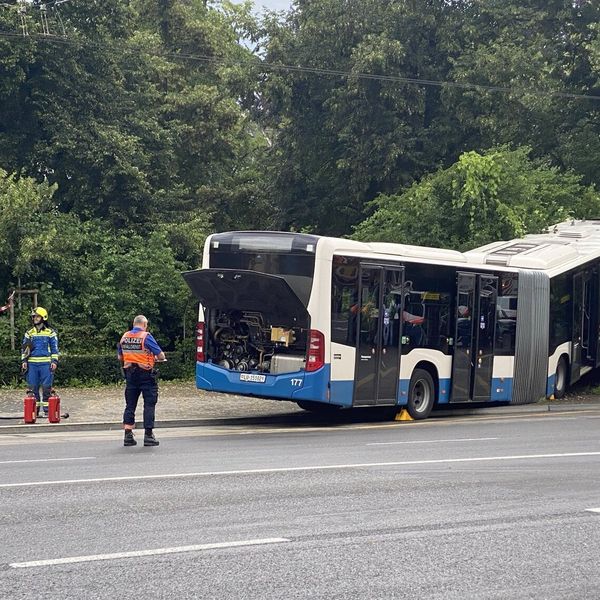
[(421, 394), (561, 378), (318, 407)]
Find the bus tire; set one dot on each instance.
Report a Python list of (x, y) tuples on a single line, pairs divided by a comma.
[(317, 407), (421, 394), (561, 378)]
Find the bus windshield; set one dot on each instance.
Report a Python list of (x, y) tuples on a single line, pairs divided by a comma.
[(290, 256)]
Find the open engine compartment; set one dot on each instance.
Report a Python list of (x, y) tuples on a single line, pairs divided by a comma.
[(253, 321), (248, 340)]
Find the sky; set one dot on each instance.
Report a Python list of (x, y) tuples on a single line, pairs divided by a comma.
[(273, 4)]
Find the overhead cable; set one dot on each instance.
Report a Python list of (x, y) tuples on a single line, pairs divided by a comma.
[(265, 66)]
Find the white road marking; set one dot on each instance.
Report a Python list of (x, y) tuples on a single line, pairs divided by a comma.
[(35, 460), (300, 469), (431, 441), (594, 510), (137, 553)]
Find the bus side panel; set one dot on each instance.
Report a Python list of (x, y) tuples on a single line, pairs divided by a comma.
[(342, 393), (442, 363), (343, 360), (502, 378), (315, 386), (564, 348)]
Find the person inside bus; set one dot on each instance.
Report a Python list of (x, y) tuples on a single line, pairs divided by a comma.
[(368, 319), (463, 326), (412, 327), (389, 313)]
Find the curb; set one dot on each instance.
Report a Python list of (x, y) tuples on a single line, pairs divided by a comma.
[(118, 426), (289, 418), (515, 409)]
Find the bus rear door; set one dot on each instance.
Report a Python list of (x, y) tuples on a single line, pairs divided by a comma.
[(474, 337), (577, 332), (379, 318)]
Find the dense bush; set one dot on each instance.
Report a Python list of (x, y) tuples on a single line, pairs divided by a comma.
[(99, 368)]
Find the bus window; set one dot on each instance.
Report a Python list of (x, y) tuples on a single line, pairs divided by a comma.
[(429, 291), (344, 299), (297, 269), (426, 322)]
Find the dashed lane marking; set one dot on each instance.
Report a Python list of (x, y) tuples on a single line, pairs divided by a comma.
[(139, 553), (301, 469), (37, 460), (483, 439)]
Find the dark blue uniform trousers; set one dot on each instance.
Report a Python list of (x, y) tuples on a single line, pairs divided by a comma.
[(138, 381), (40, 374)]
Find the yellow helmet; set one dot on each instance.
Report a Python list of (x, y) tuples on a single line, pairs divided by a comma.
[(40, 312)]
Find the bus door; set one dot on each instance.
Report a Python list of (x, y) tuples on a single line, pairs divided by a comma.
[(589, 320), (578, 304), (379, 312), (474, 337)]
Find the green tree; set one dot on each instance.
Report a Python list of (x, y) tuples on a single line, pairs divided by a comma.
[(339, 141), (137, 113), (534, 54), (23, 201), (501, 194), (342, 139)]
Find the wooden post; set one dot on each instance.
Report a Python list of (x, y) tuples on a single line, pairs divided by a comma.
[(19, 292), (12, 322)]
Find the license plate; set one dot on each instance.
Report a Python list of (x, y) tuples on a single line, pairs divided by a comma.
[(253, 377)]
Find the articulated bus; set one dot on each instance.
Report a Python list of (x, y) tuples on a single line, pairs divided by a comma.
[(327, 322)]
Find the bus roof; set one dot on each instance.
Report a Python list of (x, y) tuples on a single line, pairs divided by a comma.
[(564, 245)]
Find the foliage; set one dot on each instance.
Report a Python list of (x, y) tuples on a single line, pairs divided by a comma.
[(122, 158), (132, 129), (542, 52), (501, 194), (95, 368), (342, 138), (94, 281), (131, 133), (22, 202)]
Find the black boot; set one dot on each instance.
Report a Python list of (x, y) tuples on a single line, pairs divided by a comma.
[(149, 439), (129, 439)]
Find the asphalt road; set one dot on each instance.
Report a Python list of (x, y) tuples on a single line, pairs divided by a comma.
[(453, 507)]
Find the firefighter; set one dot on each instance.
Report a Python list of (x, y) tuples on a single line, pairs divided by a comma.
[(138, 351), (39, 357)]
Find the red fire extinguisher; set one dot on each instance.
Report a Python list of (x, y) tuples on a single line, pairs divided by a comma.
[(53, 408), (29, 407)]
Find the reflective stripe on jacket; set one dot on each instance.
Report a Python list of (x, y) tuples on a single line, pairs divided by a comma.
[(40, 346), (134, 352)]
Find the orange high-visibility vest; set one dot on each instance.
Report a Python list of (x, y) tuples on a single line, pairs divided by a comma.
[(134, 351)]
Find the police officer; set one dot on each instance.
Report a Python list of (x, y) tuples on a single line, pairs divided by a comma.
[(138, 351), (39, 357)]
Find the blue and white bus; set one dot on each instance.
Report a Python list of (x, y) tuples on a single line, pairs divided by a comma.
[(327, 322)]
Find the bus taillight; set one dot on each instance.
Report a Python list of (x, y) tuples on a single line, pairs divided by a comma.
[(200, 353), (316, 350)]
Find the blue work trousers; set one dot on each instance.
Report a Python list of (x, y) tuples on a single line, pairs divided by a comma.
[(40, 375), (138, 381)]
